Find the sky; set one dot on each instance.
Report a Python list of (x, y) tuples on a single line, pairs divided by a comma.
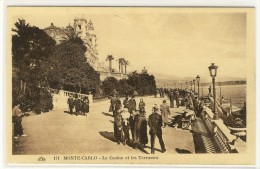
[(167, 42)]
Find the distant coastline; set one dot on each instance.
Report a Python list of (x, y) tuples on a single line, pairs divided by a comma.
[(180, 84), (226, 83)]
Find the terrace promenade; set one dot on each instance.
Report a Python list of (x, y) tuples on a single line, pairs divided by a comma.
[(58, 132)]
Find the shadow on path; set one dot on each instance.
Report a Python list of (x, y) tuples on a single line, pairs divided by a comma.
[(66, 112), (182, 151), (107, 114), (108, 135), (155, 149), (143, 150), (111, 121), (198, 143)]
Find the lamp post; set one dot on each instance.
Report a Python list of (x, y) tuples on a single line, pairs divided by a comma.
[(198, 80), (213, 73), (190, 86), (194, 85)]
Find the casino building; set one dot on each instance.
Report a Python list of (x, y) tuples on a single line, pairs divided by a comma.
[(85, 30)]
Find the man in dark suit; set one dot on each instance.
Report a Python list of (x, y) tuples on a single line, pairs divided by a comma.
[(155, 124), (171, 96), (70, 102), (176, 93), (77, 104), (132, 104), (117, 105)]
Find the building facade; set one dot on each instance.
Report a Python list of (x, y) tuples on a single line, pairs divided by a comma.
[(85, 30)]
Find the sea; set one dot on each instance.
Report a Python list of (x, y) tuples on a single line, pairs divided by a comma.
[(237, 93)]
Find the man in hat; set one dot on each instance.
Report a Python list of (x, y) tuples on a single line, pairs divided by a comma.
[(155, 124)]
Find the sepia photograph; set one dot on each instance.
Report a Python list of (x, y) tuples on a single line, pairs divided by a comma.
[(130, 85)]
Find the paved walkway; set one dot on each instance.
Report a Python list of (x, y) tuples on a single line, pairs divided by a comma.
[(58, 132)]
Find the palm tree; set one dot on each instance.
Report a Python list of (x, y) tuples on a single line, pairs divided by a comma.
[(20, 27), (110, 58)]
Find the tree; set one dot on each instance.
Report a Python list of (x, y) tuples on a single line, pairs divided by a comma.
[(31, 48), (125, 87), (110, 58), (109, 84), (72, 71), (142, 82)]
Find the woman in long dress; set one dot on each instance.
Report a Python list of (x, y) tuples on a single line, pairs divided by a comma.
[(165, 111), (141, 138), (125, 117), (85, 106)]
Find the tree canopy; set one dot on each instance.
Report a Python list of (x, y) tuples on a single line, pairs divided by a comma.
[(70, 68), (143, 83)]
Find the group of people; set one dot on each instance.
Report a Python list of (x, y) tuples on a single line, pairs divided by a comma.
[(173, 95), (160, 91), (127, 118), (81, 105), (192, 102)]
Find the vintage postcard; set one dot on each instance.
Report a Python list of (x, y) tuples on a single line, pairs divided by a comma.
[(130, 85)]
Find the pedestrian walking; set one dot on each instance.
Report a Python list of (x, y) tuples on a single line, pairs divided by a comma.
[(77, 105), (125, 117), (126, 102), (116, 105), (196, 105), (155, 124), (132, 125), (171, 99), (141, 138), (118, 126), (112, 102), (132, 104), (142, 105), (85, 110), (177, 96), (17, 120), (115, 93), (155, 93), (165, 111), (70, 103), (82, 107), (201, 107)]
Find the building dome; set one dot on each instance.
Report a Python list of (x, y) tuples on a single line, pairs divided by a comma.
[(69, 27)]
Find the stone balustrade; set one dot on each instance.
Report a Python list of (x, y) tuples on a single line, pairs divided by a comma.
[(69, 93), (220, 132)]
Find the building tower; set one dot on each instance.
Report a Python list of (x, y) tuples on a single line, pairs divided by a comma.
[(80, 26)]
